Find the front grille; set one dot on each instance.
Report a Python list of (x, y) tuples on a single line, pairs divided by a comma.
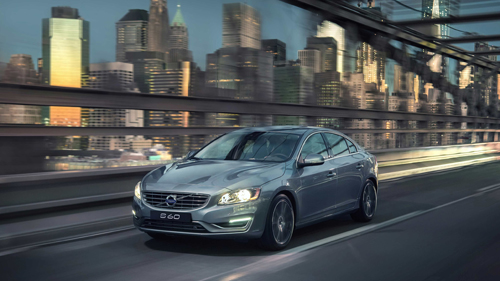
[(185, 201), (174, 226)]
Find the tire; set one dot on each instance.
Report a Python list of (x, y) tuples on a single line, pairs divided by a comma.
[(367, 203), (280, 224), (156, 235)]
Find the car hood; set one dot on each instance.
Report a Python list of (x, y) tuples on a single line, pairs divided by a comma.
[(211, 176)]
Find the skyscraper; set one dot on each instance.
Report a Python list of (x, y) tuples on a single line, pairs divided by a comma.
[(20, 70), (275, 47), (328, 49), (371, 63), (403, 81), (179, 41), (240, 26), (432, 9), (293, 83), (65, 51), (487, 88), (345, 63), (132, 33), (144, 63), (177, 80), (247, 72), (158, 26), (327, 92), (115, 76), (310, 58), (178, 32)]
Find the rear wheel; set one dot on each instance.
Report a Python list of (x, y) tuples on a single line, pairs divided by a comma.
[(280, 224), (367, 203)]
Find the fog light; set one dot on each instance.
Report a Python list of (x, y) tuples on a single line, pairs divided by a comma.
[(240, 220), (133, 213)]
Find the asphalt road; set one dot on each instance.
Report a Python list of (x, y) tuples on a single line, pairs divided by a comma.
[(435, 227)]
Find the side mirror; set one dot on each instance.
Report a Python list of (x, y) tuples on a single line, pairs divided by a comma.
[(312, 159), (191, 153)]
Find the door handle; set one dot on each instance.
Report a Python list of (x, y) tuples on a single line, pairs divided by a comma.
[(360, 166), (331, 174)]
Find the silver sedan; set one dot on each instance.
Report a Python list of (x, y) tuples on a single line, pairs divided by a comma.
[(259, 183)]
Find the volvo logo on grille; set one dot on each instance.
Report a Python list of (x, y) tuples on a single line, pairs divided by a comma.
[(171, 200)]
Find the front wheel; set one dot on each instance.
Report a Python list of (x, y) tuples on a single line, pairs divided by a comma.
[(280, 224), (367, 203)]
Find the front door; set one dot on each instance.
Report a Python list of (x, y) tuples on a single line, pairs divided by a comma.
[(317, 182)]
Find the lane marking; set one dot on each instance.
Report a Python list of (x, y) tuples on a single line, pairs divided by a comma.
[(62, 240), (488, 187), (250, 268)]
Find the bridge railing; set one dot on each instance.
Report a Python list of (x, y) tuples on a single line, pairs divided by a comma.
[(385, 129)]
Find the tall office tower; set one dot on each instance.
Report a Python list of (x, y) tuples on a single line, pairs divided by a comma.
[(20, 70), (403, 81), (487, 89), (179, 41), (240, 73), (466, 75), (114, 76), (354, 95), (65, 53), (132, 33), (145, 63), (40, 70), (275, 47), (440, 9), (311, 58), (158, 26), (328, 49), (293, 83), (240, 26), (247, 72), (327, 88), (178, 32), (345, 61), (371, 63), (177, 80)]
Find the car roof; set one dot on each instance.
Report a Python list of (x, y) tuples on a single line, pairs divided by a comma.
[(289, 129)]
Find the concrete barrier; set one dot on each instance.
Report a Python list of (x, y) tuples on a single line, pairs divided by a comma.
[(391, 157)]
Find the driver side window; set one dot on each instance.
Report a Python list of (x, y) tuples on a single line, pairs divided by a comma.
[(314, 144)]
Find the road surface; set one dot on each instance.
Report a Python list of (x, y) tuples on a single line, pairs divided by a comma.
[(436, 227)]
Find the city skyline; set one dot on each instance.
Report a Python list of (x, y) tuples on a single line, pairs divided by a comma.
[(204, 32)]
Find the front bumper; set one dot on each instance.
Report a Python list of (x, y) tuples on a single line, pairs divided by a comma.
[(210, 221)]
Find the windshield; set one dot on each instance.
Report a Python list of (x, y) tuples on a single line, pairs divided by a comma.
[(252, 146)]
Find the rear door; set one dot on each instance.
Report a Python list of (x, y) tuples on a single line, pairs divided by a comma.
[(345, 159)]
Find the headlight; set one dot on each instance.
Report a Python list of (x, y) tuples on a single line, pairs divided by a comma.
[(239, 196), (137, 191)]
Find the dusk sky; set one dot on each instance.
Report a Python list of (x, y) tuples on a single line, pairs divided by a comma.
[(20, 24)]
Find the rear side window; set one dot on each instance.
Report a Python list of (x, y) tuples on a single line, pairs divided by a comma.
[(337, 144), (314, 144), (352, 147)]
